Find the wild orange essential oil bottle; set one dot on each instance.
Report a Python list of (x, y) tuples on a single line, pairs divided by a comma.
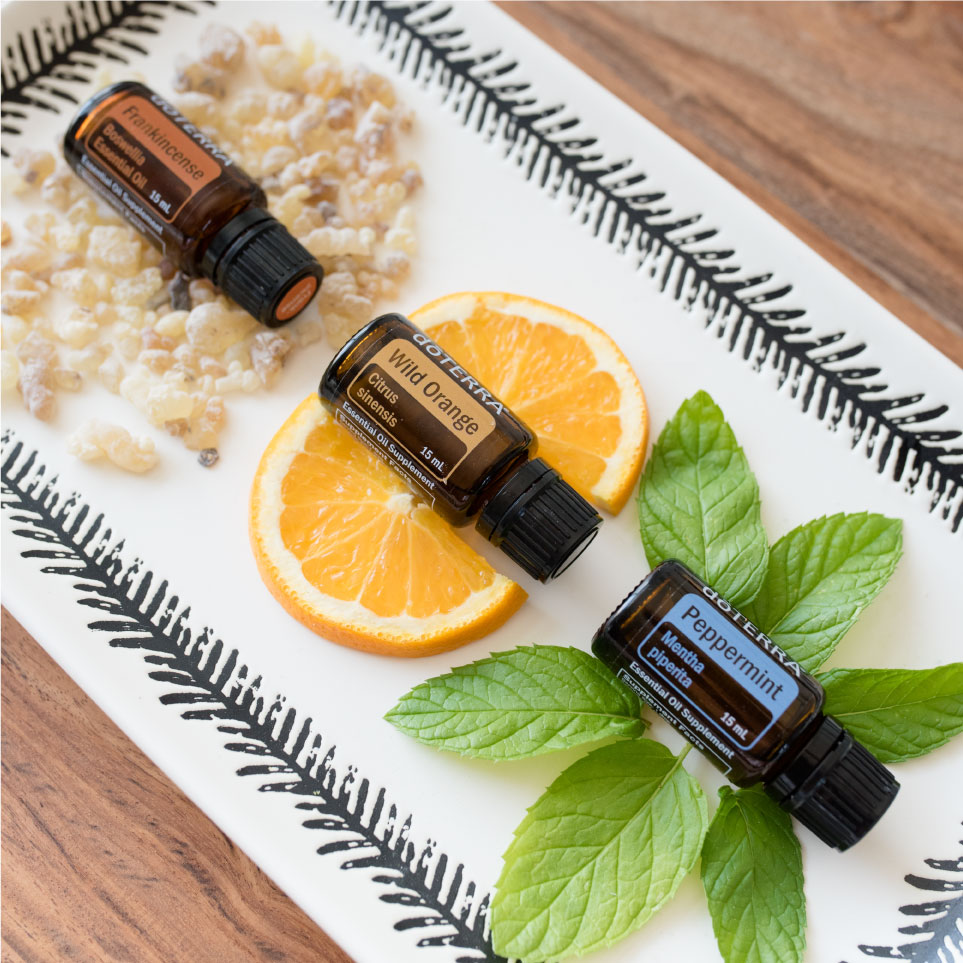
[(457, 445), (737, 697), (189, 198)]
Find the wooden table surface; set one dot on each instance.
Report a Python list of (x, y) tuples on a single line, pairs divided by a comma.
[(103, 857)]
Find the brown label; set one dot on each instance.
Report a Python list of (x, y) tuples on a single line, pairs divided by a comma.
[(147, 152), (296, 298), (414, 402)]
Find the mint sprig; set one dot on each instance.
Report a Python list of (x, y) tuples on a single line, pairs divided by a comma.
[(536, 699), (588, 864), (897, 713), (753, 878), (820, 577), (611, 838), (699, 502)]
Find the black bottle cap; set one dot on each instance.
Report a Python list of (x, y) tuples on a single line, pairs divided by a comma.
[(835, 787), (539, 521), (255, 261)]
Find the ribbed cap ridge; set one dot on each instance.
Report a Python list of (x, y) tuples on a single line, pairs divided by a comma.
[(257, 263), (839, 795), (539, 521)]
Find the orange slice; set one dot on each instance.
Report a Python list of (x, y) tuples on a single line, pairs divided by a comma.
[(563, 376), (345, 547)]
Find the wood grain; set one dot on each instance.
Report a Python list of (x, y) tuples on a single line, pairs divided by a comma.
[(842, 120), (104, 858)]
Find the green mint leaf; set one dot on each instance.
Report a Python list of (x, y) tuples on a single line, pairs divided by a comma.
[(605, 846), (820, 577), (753, 877), (525, 702), (897, 713), (699, 502)]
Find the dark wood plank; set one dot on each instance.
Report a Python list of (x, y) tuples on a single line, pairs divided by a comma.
[(104, 858), (843, 120)]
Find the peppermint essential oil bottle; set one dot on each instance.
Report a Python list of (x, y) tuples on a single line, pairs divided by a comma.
[(190, 200), (457, 445), (738, 698)]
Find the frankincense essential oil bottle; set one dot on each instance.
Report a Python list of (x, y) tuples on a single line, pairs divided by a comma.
[(189, 199), (738, 698), (457, 445)]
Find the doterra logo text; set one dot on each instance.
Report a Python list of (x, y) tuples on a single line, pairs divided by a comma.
[(445, 360), (751, 630)]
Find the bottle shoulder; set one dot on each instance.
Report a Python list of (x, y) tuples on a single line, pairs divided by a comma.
[(357, 349), (71, 144)]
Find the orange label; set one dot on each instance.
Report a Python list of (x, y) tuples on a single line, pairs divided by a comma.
[(296, 298), (147, 152), (410, 398)]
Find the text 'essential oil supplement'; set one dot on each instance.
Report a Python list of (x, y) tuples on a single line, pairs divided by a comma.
[(744, 703), (173, 184), (457, 445)]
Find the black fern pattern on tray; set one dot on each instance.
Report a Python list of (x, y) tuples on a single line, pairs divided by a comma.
[(204, 680), (937, 930), (41, 67), (748, 312), (751, 313)]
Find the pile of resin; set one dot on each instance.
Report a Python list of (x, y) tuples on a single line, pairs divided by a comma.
[(86, 298)]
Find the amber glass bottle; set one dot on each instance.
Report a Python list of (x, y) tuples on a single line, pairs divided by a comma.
[(457, 445), (173, 184), (738, 698)]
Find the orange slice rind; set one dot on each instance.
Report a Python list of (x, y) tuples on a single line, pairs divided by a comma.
[(562, 375), (350, 552), (344, 546)]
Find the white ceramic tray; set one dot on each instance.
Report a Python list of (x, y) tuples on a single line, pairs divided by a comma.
[(537, 181)]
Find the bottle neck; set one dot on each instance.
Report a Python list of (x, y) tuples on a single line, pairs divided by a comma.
[(538, 520), (489, 488), (522, 481), (799, 757)]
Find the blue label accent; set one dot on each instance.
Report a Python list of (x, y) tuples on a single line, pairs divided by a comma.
[(699, 654)]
